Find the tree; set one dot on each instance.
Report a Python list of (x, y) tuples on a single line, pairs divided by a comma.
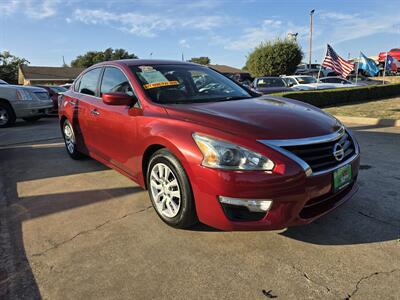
[(94, 57), (274, 58), (9, 65), (202, 60)]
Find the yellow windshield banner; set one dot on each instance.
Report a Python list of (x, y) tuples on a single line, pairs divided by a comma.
[(160, 84)]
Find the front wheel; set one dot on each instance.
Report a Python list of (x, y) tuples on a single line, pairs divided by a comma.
[(70, 141), (7, 116), (170, 190)]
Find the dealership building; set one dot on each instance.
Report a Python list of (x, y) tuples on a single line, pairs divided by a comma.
[(35, 75)]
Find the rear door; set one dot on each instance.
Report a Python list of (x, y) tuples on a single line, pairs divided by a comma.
[(114, 129)]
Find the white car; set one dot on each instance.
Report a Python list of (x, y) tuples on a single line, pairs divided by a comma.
[(339, 81), (3, 82), (306, 83), (26, 102), (313, 70)]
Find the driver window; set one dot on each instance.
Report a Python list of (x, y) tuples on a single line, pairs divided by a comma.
[(115, 81)]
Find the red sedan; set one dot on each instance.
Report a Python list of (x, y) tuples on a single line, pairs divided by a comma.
[(208, 149)]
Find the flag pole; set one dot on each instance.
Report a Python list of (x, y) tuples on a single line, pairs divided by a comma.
[(319, 73), (384, 69), (358, 65), (320, 67)]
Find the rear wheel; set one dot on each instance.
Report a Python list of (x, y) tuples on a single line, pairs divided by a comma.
[(170, 190), (32, 119), (7, 116), (70, 141)]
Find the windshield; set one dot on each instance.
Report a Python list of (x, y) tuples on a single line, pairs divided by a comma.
[(270, 82), (306, 80), (186, 84)]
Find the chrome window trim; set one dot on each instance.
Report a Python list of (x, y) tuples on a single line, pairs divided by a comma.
[(277, 145), (307, 141)]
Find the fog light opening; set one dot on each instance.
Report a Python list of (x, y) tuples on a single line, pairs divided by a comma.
[(253, 205)]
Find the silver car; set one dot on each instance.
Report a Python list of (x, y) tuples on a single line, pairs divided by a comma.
[(25, 102)]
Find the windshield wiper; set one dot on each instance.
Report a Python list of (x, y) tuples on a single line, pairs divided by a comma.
[(232, 98)]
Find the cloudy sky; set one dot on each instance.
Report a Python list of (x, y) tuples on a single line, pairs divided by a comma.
[(43, 31)]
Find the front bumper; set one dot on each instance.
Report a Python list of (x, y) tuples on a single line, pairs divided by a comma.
[(297, 198), (31, 108)]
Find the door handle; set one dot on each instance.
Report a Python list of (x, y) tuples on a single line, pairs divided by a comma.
[(94, 112)]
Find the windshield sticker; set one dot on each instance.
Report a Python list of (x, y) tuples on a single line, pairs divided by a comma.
[(153, 76), (160, 84), (146, 68)]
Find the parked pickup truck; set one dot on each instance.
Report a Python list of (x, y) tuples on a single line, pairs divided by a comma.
[(25, 102)]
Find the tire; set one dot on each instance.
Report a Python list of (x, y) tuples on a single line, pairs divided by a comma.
[(164, 191), (7, 116), (70, 141), (32, 119)]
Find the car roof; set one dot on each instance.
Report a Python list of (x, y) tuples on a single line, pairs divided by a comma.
[(272, 77), (140, 62), (297, 76), (333, 77)]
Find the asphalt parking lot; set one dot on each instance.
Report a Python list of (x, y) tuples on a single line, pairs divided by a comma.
[(78, 230)]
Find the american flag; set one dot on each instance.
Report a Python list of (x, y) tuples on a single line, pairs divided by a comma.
[(336, 63)]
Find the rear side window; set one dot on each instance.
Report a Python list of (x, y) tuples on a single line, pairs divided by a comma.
[(114, 80), (88, 82)]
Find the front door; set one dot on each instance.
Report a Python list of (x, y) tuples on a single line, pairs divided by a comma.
[(114, 128)]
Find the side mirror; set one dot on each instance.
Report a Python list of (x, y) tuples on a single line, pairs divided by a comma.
[(118, 98)]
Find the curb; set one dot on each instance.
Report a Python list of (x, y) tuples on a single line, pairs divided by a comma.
[(369, 121)]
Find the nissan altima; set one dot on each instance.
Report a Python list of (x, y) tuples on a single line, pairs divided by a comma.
[(208, 149)]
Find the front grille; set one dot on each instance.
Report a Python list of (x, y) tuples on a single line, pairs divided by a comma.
[(42, 95), (320, 156)]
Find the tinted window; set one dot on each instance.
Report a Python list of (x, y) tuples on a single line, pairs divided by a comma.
[(88, 82), (306, 80), (290, 81), (115, 81), (58, 89), (270, 82)]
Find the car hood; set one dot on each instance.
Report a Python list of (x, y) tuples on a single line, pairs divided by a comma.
[(260, 118), (24, 87), (270, 90)]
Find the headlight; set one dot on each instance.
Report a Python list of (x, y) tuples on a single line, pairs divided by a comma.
[(223, 155), (23, 95)]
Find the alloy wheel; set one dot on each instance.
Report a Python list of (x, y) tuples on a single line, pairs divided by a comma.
[(3, 116), (165, 190), (69, 138)]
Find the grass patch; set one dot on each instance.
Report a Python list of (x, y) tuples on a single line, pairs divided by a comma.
[(381, 109)]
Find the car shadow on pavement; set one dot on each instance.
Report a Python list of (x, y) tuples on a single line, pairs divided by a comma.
[(25, 164), (40, 122)]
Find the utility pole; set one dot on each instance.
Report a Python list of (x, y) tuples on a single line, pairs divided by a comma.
[(310, 54)]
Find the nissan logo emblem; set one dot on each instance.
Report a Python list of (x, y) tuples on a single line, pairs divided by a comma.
[(338, 152)]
